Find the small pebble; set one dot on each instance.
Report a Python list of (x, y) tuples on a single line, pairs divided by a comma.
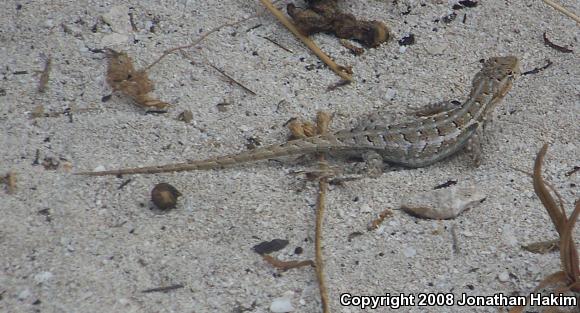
[(390, 94), (49, 23), (508, 235), (409, 252), (282, 304), (503, 277), (24, 294), (185, 116), (42, 277)]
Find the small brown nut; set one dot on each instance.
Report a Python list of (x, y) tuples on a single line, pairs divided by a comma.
[(164, 196)]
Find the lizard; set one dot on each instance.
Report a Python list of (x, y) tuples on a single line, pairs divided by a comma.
[(438, 132)]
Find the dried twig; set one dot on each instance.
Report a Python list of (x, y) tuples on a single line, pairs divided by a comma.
[(323, 120), (352, 48), (195, 43), (552, 45), (563, 10), (341, 71), (277, 44), (232, 80), (538, 69), (303, 130)]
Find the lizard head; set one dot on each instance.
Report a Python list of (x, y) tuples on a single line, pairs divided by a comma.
[(501, 72)]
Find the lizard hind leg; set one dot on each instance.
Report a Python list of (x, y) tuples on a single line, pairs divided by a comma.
[(373, 164)]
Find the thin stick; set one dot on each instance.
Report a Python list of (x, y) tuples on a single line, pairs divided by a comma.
[(200, 39), (563, 10), (231, 79), (320, 204), (341, 71), (323, 120)]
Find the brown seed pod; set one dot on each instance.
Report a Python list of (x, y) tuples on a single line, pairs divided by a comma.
[(164, 196)]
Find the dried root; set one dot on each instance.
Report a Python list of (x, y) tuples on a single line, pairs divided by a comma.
[(122, 77), (568, 279), (324, 16)]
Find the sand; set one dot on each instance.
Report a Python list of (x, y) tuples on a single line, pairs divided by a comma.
[(86, 244)]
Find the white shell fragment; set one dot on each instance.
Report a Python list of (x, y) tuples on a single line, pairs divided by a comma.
[(442, 204), (282, 304)]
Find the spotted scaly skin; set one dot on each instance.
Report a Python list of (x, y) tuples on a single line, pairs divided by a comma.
[(419, 143)]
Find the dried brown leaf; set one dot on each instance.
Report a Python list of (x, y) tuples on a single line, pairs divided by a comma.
[(122, 77), (325, 16), (374, 224)]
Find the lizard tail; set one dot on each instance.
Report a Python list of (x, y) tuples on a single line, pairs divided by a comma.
[(309, 145)]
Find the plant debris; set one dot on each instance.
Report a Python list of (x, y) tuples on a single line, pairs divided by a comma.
[(552, 45), (122, 77), (44, 75), (374, 224), (342, 71), (277, 44), (536, 70), (563, 10), (10, 181), (568, 279), (270, 246), (163, 289), (446, 184), (572, 171), (231, 80), (325, 16), (286, 265), (352, 48), (164, 196)]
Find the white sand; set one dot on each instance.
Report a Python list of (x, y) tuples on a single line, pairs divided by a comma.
[(100, 246)]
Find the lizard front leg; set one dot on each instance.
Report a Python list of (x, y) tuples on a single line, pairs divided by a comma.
[(473, 147)]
